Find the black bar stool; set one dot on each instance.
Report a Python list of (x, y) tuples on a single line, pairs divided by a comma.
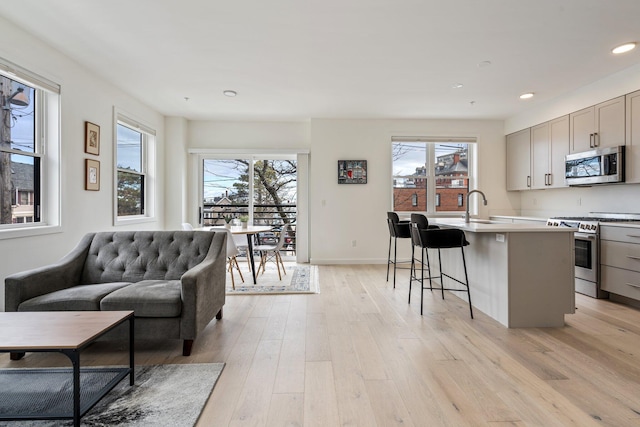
[(418, 222), (397, 230), (447, 238)]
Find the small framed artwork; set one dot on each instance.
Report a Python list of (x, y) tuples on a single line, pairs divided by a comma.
[(352, 171), (91, 138), (92, 175)]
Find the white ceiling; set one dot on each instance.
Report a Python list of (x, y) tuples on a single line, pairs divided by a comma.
[(301, 59)]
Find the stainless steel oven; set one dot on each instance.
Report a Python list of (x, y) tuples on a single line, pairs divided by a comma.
[(587, 262), (587, 247), (587, 254)]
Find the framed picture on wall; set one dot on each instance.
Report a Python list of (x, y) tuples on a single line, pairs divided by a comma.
[(91, 138), (352, 171), (92, 175)]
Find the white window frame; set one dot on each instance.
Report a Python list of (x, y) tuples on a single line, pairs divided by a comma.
[(430, 143), (47, 147), (148, 169)]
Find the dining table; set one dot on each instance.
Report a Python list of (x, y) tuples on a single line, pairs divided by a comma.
[(250, 231)]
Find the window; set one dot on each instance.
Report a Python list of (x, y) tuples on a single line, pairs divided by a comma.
[(429, 174), (29, 151), (134, 153)]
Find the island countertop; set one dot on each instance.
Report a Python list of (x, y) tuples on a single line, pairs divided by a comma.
[(487, 226)]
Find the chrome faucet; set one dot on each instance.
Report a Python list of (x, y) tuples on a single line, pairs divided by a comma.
[(484, 199)]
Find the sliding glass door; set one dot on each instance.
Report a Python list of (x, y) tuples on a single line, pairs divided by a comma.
[(263, 188)]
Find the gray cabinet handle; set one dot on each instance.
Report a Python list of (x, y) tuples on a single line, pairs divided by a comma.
[(591, 141), (633, 285), (633, 257), (528, 180), (634, 236), (596, 141)]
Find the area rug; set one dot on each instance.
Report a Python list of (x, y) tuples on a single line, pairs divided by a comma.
[(163, 395), (300, 279)]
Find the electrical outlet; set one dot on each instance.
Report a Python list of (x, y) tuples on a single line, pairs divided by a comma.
[(500, 238), (579, 201), (353, 243)]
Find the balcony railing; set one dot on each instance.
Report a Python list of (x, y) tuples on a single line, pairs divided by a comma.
[(263, 214)]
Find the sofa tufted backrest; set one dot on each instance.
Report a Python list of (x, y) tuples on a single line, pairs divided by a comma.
[(132, 256)]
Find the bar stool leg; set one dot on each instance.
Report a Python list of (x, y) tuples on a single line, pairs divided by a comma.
[(429, 270), (389, 258), (422, 279), (412, 271), (395, 254), (441, 275), (466, 278)]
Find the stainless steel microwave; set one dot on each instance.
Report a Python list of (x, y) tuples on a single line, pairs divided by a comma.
[(599, 166)]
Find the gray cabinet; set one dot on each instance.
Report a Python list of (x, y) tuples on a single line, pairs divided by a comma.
[(519, 160), (599, 126), (632, 148), (549, 146), (620, 261)]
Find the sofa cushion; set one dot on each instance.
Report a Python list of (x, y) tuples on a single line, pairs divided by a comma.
[(76, 298), (148, 298)]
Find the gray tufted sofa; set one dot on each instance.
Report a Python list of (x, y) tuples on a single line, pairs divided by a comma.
[(174, 281)]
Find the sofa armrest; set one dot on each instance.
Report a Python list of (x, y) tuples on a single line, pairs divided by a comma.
[(203, 289), (66, 273)]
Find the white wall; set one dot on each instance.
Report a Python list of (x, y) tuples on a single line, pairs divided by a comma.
[(579, 200), (341, 214), (84, 97)]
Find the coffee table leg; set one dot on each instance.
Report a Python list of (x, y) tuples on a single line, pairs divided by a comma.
[(131, 350), (74, 356)]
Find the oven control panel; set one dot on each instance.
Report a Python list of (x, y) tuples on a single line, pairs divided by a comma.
[(588, 227)]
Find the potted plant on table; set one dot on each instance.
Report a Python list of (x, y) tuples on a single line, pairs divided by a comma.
[(227, 220), (244, 220)]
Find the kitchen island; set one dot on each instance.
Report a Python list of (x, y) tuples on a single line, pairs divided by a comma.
[(522, 275)]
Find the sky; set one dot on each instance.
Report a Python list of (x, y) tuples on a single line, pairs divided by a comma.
[(407, 156)]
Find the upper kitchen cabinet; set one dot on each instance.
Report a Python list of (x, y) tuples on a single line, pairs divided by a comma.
[(632, 148), (519, 160), (602, 125), (549, 146)]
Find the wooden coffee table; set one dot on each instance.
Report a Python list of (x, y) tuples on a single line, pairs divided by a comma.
[(66, 332)]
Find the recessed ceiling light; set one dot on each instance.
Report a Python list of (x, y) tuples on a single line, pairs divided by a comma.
[(526, 95), (230, 93), (623, 48), (457, 85), (484, 64)]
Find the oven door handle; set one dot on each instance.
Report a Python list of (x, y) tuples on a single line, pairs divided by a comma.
[(585, 236)]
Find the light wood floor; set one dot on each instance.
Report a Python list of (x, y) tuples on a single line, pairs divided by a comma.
[(358, 354)]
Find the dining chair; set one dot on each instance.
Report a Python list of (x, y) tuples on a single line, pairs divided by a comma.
[(232, 252), (243, 246), (272, 252)]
